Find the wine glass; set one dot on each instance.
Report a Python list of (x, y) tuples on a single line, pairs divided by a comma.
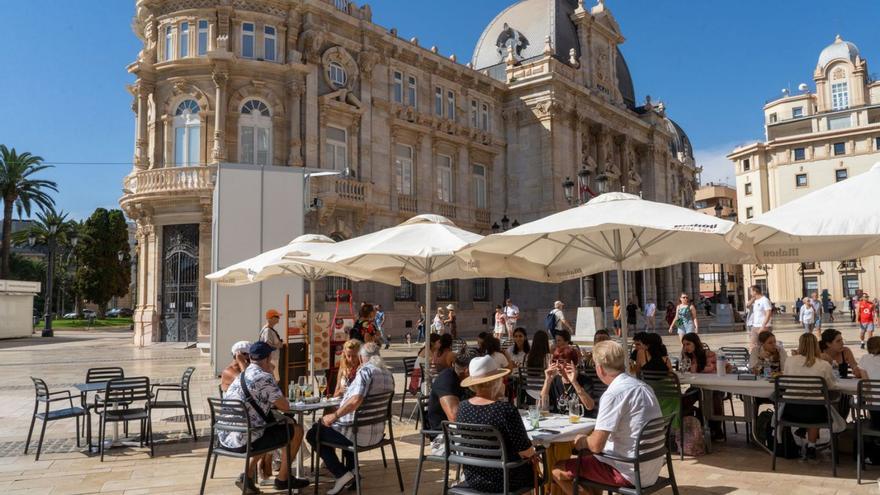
[(300, 387), (321, 382)]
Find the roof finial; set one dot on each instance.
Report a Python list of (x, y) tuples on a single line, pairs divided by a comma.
[(838, 39), (572, 58), (511, 59), (548, 46)]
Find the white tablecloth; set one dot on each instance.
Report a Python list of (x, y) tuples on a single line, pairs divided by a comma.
[(557, 422), (757, 388)]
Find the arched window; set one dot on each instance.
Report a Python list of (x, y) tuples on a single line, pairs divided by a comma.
[(187, 134), (255, 133)]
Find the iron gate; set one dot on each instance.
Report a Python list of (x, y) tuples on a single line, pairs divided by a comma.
[(180, 283)]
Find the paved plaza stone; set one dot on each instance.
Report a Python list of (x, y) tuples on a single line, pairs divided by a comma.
[(63, 468)]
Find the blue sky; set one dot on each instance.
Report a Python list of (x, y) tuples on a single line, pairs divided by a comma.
[(712, 63)]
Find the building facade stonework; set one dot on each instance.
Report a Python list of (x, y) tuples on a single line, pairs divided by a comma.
[(316, 83), (813, 138)]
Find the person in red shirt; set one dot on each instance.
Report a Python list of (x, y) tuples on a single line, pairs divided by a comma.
[(866, 318)]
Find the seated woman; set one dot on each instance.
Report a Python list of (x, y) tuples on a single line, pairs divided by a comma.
[(488, 345), (520, 348), (808, 362), (424, 355), (696, 359), (833, 350), (539, 354), (443, 357), (562, 384), (564, 347), (768, 351), (349, 366), (485, 409), (649, 354)]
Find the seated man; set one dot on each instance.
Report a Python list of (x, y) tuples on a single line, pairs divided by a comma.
[(239, 363), (257, 382), (446, 393), (626, 407), (372, 378)]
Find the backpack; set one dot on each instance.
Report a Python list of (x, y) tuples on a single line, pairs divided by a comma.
[(787, 448), (693, 437), (550, 323)]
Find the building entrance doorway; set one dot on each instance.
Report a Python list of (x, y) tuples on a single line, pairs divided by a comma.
[(180, 283)]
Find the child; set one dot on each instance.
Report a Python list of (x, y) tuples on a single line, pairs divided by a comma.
[(500, 323)]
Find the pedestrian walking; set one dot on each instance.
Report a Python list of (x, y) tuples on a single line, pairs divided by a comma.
[(615, 316), (685, 320), (853, 304), (421, 325), (761, 315), (511, 315), (807, 315), (380, 326), (867, 318), (437, 324), (650, 316), (798, 304), (269, 335), (819, 310), (670, 312), (450, 323), (500, 323), (632, 312), (555, 320)]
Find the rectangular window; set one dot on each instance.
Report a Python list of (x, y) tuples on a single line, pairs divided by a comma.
[(811, 284), (748, 189), (474, 116), (479, 176), (333, 284), (169, 43), (800, 154), (481, 289), (444, 178), (445, 290), (762, 283), (797, 112), (450, 105), (202, 48), (403, 163), (484, 121), (746, 165), (877, 143), (411, 94), (269, 43), (262, 146), (850, 285), (336, 149), (438, 101), (800, 180), (184, 39), (750, 212), (192, 147), (406, 291), (247, 40), (772, 118), (397, 87), (840, 174), (839, 96), (246, 141), (841, 122), (839, 149)]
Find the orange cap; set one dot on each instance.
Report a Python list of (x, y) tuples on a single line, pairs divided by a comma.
[(272, 313)]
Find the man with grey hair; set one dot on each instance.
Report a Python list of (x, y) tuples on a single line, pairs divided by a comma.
[(372, 378), (561, 322)]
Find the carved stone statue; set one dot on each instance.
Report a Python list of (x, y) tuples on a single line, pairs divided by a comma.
[(511, 39)]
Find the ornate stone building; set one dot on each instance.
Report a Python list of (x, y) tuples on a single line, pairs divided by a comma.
[(814, 138), (316, 83)]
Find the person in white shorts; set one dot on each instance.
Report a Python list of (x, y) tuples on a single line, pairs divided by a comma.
[(762, 313), (511, 315)]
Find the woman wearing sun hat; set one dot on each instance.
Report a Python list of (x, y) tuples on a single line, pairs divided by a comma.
[(484, 379), (450, 323)]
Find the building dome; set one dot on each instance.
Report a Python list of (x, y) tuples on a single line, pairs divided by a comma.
[(840, 49), (680, 142)]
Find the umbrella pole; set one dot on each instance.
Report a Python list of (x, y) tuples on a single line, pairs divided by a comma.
[(312, 331), (427, 378), (621, 294)]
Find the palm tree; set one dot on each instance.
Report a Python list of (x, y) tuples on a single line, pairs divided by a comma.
[(18, 189)]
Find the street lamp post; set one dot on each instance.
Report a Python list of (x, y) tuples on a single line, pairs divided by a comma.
[(583, 195), (723, 284), (47, 330), (505, 225)]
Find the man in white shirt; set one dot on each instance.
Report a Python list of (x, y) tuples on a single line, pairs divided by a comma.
[(650, 313), (626, 407), (762, 313), (561, 322), (511, 315), (818, 311)]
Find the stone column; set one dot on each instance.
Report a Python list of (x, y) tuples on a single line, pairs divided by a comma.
[(146, 317), (312, 131), (295, 89), (143, 91), (218, 153), (204, 325)]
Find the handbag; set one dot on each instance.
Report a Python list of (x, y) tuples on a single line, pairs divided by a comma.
[(270, 418)]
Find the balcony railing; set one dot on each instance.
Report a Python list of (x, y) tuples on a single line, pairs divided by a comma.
[(343, 191), (406, 203), (170, 179), (446, 209), (481, 215)]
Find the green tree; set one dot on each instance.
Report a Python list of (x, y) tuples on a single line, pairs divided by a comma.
[(101, 275), (19, 190)]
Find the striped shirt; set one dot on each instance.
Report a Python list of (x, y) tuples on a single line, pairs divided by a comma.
[(370, 380)]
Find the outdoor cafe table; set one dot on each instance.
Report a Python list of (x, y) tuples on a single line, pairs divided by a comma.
[(749, 390), (557, 428), (299, 409)]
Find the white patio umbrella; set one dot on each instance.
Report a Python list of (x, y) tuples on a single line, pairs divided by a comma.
[(614, 231), (297, 259), (836, 222)]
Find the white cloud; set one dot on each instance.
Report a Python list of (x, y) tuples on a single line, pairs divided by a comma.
[(716, 166)]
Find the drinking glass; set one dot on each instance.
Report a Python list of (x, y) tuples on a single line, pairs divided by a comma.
[(300, 387), (544, 407), (534, 415), (321, 382), (575, 411)]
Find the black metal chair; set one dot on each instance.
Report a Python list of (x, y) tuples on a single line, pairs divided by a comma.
[(530, 383), (867, 405), (480, 446), (184, 403), (375, 409), (45, 397), (102, 375), (232, 416), (126, 391), (651, 443), (409, 365), (799, 391), (425, 435), (597, 388), (458, 345), (738, 357), (667, 387)]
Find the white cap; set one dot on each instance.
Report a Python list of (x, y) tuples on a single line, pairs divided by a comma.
[(240, 346)]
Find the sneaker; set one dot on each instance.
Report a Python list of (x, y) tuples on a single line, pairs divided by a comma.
[(294, 482), (352, 486), (340, 483), (811, 453), (251, 487)]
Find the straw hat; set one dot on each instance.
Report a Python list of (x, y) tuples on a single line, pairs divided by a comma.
[(483, 369), (450, 307)]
